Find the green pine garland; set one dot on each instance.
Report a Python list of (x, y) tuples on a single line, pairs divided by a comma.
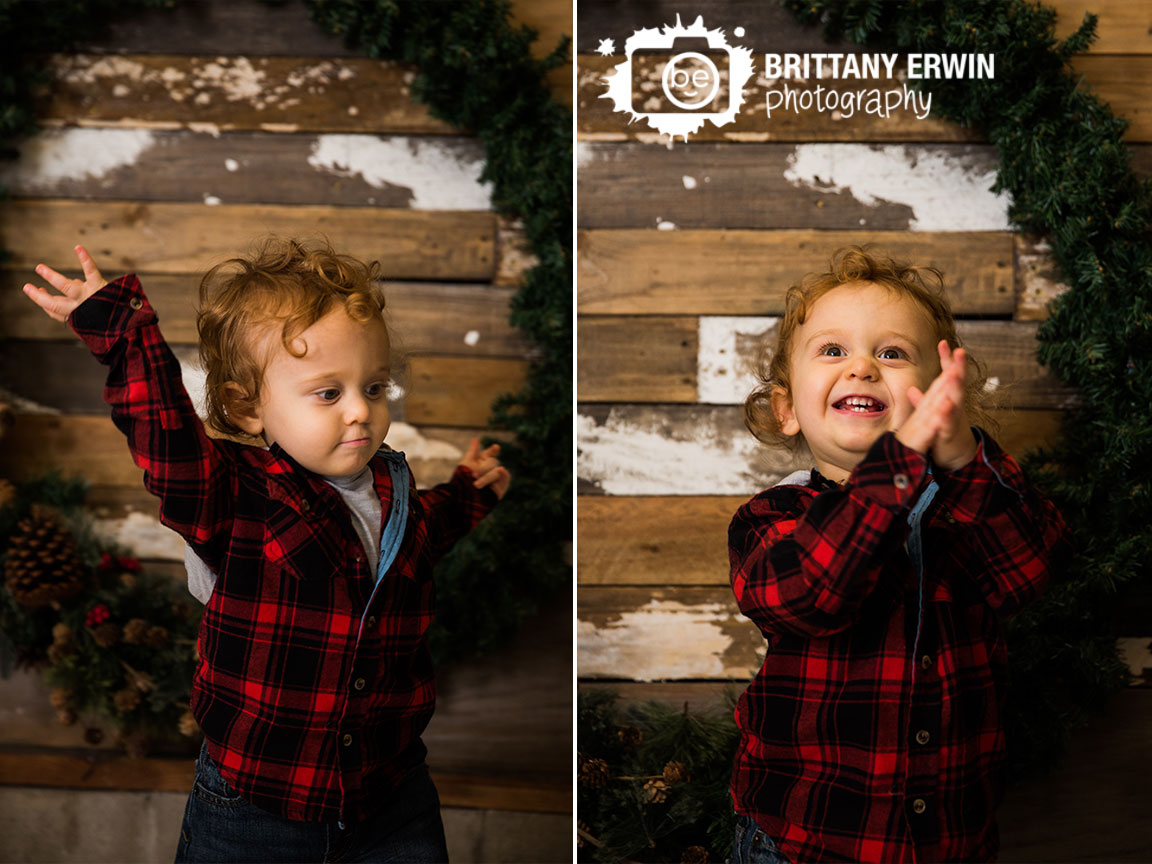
[(476, 72), (1063, 160)]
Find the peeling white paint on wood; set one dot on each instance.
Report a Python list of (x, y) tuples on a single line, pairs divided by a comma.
[(57, 155), (143, 535), (728, 348), (409, 440), (1136, 653), (631, 453), (439, 176), (947, 190), (662, 639)]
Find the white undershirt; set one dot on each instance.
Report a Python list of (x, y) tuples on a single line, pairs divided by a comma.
[(359, 495)]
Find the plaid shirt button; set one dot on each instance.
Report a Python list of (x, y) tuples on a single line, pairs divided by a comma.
[(347, 740), (900, 481), (372, 622), (136, 303), (919, 806), (359, 684), (925, 662), (922, 737)]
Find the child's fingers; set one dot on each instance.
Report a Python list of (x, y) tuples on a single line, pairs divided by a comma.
[(915, 396), (91, 272), (57, 280), (473, 452), (56, 306)]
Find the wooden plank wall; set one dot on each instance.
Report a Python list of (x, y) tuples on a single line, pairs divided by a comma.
[(684, 254), (169, 143)]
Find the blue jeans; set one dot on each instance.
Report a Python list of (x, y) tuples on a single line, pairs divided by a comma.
[(752, 846), (221, 826)]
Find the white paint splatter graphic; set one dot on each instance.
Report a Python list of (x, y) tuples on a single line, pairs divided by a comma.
[(946, 190), (435, 173), (725, 375)]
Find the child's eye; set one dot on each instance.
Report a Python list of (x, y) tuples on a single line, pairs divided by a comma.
[(329, 395), (373, 391), (831, 349), (892, 354)]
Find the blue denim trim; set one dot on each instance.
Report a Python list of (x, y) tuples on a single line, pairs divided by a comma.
[(751, 845)]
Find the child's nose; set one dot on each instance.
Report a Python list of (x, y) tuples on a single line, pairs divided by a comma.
[(356, 409), (861, 366)]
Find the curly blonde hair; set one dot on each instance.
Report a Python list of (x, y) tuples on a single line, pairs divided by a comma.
[(850, 264), (282, 283)]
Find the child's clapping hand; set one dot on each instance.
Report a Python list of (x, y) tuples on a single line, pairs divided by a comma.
[(939, 426), (486, 468), (73, 292)]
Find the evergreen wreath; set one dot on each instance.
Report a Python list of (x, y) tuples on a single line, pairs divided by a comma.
[(475, 71), (1063, 160)]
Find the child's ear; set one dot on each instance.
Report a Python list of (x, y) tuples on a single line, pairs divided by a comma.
[(241, 409), (785, 415)]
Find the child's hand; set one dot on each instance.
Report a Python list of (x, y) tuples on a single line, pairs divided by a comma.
[(73, 291), (486, 468), (939, 425)]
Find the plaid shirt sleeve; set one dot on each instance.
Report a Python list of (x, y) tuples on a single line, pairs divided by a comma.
[(453, 509), (804, 564), (1018, 538), (187, 470)]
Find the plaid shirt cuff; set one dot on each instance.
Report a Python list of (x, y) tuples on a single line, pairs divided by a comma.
[(890, 475), (102, 319), (977, 490)]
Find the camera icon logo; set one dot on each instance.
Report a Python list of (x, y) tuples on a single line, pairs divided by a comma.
[(678, 78)]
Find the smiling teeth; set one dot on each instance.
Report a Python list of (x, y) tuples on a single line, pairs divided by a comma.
[(861, 404)]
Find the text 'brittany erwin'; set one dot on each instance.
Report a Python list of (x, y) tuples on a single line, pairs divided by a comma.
[(918, 66)]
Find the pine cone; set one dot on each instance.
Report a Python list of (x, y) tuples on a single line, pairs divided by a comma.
[(60, 698), (594, 773), (694, 855), (128, 580), (62, 634), (655, 792), (188, 725), (630, 736), (42, 566), (135, 630), (675, 772), (156, 637), (57, 654), (93, 735), (66, 717), (126, 700), (106, 635)]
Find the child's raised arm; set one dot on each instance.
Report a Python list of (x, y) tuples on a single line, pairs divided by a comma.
[(73, 292), (191, 474)]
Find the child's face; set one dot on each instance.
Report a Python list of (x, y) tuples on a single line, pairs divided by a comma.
[(328, 409), (860, 340)]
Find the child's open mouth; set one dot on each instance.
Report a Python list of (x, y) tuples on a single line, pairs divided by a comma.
[(864, 405)]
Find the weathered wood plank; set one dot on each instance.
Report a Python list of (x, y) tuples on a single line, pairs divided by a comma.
[(596, 120), (428, 317), (705, 450), (393, 171), (827, 186), (170, 238), (215, 93), (476, 382), (89, 446), (647, 634), (1119, 80), (670, 540), (1038, 278), (73, 770), (256, 28), (1123, 27), (441, 390), (644, 272), (636, 359), (658, 359)]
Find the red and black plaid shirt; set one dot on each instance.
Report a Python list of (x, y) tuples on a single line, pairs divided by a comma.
[(873, 732), (310, 700)]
